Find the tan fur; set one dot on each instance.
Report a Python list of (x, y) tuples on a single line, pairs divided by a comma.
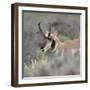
[(67, 47)]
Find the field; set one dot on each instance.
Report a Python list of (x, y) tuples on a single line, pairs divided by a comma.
[(37, 63)]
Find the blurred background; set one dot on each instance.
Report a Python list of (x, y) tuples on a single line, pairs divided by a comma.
[(37, 63)]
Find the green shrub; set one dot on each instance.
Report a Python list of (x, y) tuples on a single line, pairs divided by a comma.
[(44, 65)]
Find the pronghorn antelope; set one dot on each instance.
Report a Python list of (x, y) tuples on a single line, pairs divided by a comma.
[(54, 45)]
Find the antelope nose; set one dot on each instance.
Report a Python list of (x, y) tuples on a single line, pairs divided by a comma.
[(42, 50)]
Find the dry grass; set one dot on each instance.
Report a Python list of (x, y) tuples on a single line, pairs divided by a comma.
[(45, 65)]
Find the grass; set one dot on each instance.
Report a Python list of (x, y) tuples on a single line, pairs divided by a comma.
[(45, 65)]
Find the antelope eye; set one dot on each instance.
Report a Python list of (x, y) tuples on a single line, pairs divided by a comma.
[(49, 39)]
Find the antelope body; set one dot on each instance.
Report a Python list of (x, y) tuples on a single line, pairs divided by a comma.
[(54, 45)]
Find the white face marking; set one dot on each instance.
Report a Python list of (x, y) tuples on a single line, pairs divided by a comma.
[(47, 46)]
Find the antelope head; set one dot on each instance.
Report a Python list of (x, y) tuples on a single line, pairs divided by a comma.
[(49, 43)]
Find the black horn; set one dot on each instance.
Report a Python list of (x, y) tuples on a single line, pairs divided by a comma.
[(49, 27), (39, 25)]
